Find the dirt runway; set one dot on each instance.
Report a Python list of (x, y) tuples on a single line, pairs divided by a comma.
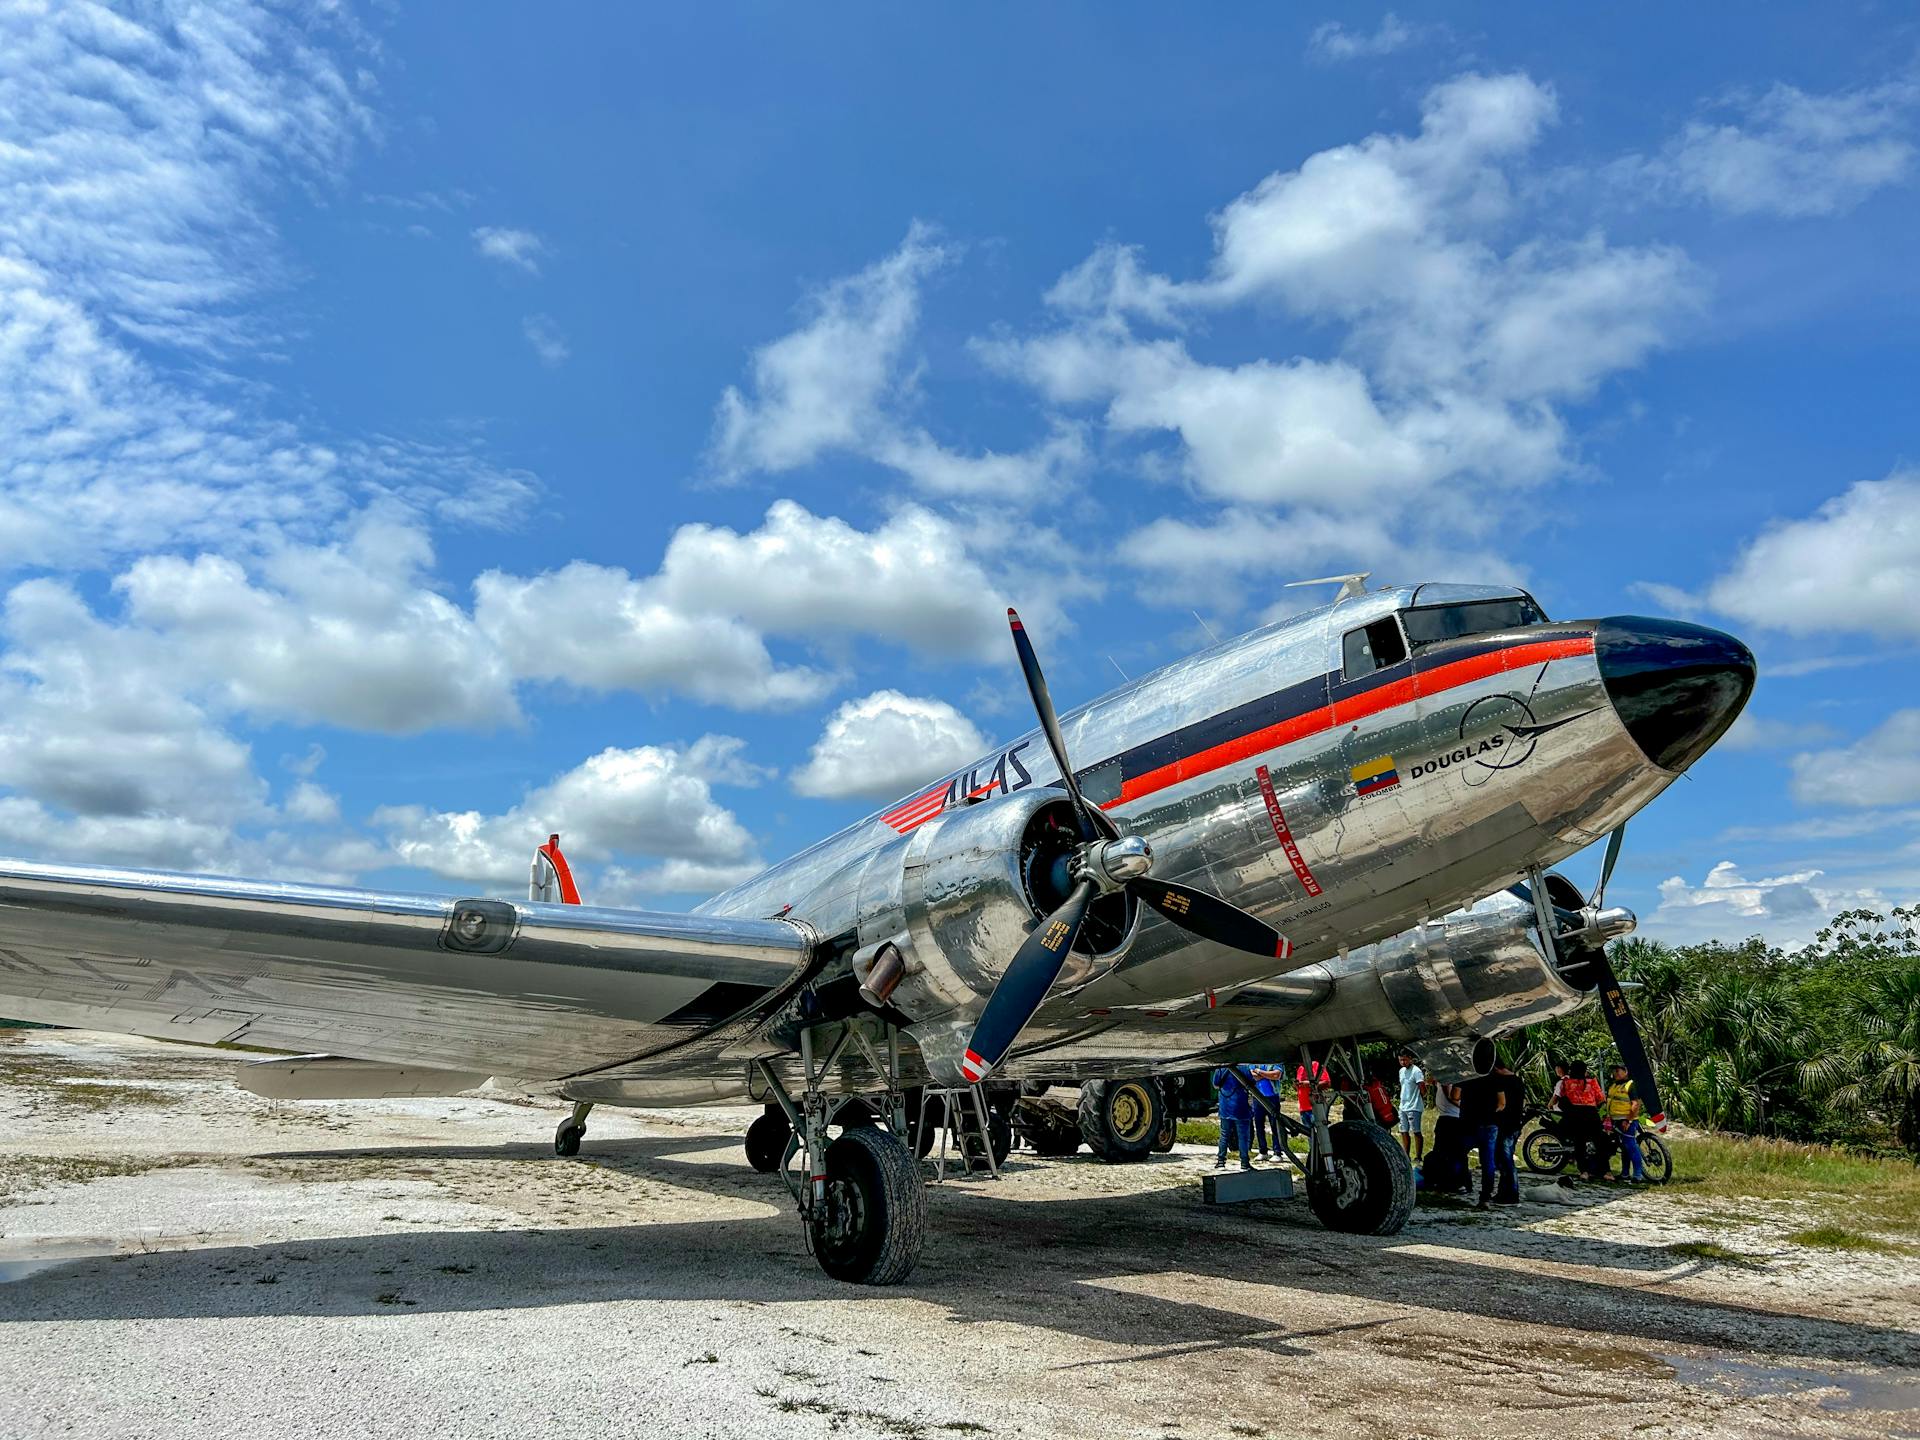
[(178, 1257)]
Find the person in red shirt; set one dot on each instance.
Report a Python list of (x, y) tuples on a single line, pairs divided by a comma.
[(1305, 1088), (1580, 1097)]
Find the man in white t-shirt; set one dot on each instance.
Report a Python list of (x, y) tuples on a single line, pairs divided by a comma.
[(1413, 1106)]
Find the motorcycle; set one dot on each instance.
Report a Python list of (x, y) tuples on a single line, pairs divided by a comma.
[(1549, 1150)]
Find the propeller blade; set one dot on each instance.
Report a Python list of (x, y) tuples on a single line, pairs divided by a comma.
[(1036, 964), (1050, 723), (1211, 918), (1626, 1039), (1606, 865)]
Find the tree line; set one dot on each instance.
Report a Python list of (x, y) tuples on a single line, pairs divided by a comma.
[(1820, 1044)]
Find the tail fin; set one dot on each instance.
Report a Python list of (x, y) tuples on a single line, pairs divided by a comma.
[(550, 878)]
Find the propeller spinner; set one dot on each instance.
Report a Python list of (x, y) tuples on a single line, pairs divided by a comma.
[(1106, 862)]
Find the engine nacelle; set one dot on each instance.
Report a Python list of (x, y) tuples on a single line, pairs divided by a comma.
[(1480, 971), (958, 895), (1445, 987)]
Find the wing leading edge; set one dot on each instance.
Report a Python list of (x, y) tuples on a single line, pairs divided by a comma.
[(532, 991)]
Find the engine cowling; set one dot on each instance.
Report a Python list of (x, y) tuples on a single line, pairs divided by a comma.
[(956, 897), (1446, 986)]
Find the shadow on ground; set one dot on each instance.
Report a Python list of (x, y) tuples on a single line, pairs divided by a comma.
[(1059, 1264)]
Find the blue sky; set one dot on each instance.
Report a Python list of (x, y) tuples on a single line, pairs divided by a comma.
[(420, 431)]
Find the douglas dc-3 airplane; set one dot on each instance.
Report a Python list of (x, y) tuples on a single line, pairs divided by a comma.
[(1334, 828)]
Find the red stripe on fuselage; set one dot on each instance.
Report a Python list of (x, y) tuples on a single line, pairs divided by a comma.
[(1348, 710)]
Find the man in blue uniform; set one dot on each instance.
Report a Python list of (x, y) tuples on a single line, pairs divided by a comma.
[(1236, 1117)]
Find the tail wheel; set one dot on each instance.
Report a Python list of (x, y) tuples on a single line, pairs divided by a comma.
[(1120, 1119), (1371, 1189), (767, 1139), (872, 1220), (1169, 1130), (1051, 1130), (921, 1136), (1545, 1153)]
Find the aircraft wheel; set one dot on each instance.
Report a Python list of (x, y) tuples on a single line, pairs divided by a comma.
[(767, 1139), (869, 1227), (566, 1139), (1120, 1118), (1371, 1192)]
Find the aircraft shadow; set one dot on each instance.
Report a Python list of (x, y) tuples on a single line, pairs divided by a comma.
[(1060, 1264)]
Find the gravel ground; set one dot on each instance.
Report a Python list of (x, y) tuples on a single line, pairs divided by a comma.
[(178, 1257)]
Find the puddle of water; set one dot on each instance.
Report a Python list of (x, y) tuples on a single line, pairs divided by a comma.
[(1859, 1390), (12, 1270)]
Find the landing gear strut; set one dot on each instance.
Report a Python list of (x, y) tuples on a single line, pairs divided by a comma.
[(566, 1139), (1359, 1181), (860, 1197)]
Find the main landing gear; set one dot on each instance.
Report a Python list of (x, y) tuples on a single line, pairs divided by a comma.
[(1359, 1180), (861, 1198)]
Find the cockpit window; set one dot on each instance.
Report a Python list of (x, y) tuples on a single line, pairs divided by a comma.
[(1374, 648), (1437, 623)]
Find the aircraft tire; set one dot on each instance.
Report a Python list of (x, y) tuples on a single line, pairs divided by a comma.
[(1374, 1195), (869, 1228), (767, 1140), (1119, 1119), (566, 1139)]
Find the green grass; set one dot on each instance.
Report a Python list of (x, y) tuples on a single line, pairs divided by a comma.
[(1710, 1251), (1885, 1192), (1836, 1237)]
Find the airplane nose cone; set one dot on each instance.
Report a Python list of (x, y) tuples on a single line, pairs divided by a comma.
[(1677, 687)]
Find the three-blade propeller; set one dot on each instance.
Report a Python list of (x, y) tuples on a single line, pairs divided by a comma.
[(1106, 862)]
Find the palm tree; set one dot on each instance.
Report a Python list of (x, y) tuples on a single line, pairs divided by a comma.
[(1884, 1064)]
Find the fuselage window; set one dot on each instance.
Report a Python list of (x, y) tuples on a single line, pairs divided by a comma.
[(1374, 648), (1438, 623)]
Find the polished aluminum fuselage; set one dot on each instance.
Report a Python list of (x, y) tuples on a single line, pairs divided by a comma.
[(1352, 813), (1461, 822)]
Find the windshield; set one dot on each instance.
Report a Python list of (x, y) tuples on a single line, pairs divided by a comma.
[(1436, 623)]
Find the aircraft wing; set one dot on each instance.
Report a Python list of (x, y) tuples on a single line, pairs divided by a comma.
[(532, 991)]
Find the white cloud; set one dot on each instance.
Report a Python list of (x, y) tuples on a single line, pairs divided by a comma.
[(1456, 343), (841, 383), (545, 338), (1854, 565), (1333, 42), (1790, 153), (90, 724), (599, 628), (312, 804), (138, 170), (521, 249), (344, 634), (1881, 768), (1787, 910), (1758, 732), (883, 744), (649, 801)]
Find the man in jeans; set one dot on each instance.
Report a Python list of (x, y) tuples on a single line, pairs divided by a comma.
[(1623, 1117), (1480, 1102), (1236, 1117), (1509, 1115), (1413, 1107)]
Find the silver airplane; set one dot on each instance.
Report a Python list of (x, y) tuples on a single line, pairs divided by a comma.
[(1335, 828)]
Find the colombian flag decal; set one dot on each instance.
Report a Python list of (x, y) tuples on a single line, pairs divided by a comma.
[(1375, 775)]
